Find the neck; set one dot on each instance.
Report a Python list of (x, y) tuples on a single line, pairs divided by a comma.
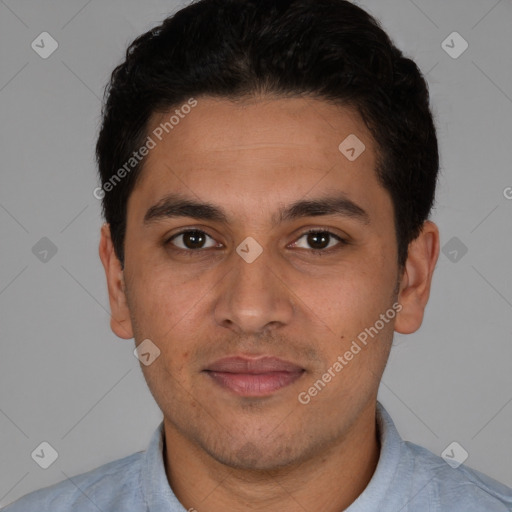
[(330, 480)]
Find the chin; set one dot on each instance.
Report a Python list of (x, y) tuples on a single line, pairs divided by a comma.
[(256, 456)]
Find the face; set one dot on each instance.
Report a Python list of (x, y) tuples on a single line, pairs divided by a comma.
[(255, 316)]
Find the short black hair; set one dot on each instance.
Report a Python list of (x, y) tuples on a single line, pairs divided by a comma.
[(326, 49)]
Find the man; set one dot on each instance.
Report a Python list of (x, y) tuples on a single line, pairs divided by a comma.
[(267, 172)]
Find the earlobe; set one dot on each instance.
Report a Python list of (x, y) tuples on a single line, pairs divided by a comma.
[(417, 279), (120, 321)]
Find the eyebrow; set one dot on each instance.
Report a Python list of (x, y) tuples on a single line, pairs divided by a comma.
[(177, 205)]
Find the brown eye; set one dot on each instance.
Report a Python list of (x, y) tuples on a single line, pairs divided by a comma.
[(191, 239), (319, 240)]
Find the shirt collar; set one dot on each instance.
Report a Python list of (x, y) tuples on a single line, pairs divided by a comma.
[(375, 496), (156, 490), (159, 496)]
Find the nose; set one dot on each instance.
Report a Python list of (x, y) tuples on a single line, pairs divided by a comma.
[(253, 297)]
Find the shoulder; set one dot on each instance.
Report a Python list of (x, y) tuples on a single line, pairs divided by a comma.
[(113, 486), (458, 488)]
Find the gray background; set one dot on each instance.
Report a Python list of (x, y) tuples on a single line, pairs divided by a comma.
[(65, 378)]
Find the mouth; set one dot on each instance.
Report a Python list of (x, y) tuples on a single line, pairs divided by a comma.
[(254, 377)]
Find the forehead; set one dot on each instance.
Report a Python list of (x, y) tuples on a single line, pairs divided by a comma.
[(259, 151)]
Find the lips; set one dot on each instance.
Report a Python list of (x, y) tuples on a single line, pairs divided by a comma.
[(253, 376)]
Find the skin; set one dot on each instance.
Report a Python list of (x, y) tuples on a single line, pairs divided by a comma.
[(228, 452)]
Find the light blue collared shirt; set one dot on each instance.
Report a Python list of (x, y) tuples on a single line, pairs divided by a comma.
[(408, 478)]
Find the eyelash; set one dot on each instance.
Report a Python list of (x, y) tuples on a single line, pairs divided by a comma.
[(319, 252)]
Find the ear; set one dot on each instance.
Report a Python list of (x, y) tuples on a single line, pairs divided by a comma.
[(417, 278), (120, 321)]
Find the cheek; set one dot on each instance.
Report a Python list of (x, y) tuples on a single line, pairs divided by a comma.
[(349, 300), (157, 306), (171, 313)]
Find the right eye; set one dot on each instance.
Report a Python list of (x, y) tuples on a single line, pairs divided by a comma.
[(191, 240)]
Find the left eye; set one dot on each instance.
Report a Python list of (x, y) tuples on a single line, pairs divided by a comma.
[(319, 240)]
